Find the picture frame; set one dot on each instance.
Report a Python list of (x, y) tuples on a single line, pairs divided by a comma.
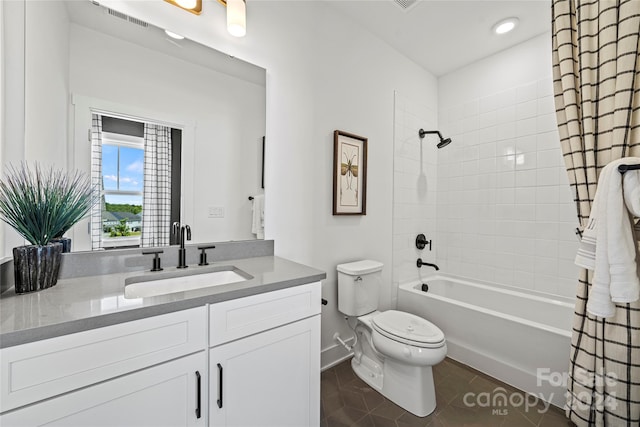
[(349, 174)]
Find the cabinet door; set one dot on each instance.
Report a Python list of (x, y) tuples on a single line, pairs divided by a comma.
[(163, 395), (43, 369), (268, 379)]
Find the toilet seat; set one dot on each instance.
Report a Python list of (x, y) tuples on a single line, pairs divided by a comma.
[(408, 329)]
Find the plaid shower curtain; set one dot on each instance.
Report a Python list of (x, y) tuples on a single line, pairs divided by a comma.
[(96, 181), (596, 71), (156, 204)]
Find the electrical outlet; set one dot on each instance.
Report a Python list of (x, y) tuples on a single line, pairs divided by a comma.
[(216, 212)]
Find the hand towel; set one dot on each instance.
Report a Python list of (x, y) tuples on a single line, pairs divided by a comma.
[(257, 221), (586, 256), (593, 251), (621, 247), (610, 230), (631, 189)]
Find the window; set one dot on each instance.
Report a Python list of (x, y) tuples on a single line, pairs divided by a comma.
[(136, 168), (123, 184)]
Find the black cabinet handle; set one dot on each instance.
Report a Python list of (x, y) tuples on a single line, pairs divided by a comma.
[(198, 395), (219, 385)]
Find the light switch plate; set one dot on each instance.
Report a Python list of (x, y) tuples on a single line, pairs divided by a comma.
[(216, 212)]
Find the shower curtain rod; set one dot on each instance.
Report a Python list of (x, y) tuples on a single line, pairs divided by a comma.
[(624, 168)]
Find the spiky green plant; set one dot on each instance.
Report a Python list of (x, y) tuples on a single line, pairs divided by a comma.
[(43, 204)]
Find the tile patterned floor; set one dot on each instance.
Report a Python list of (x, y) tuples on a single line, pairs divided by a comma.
[(348, 401)]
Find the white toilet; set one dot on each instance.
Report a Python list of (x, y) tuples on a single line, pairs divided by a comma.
[(395, 350)]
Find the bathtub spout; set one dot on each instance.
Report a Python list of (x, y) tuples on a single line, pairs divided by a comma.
[(420, 263)]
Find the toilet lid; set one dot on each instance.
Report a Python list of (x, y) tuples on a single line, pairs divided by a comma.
[(407, 328)]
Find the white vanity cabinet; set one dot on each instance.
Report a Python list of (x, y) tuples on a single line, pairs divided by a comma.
[(253, 360), (264, 363)]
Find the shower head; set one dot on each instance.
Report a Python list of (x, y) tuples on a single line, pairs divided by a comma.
[(443, 142)]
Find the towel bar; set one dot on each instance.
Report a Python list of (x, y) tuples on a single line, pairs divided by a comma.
[(624, 168)]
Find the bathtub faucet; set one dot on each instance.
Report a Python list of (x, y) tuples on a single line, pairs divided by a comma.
[(420, 263)]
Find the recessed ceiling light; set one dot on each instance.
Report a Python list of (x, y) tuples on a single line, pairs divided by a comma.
[(174, 35), (505, 25)]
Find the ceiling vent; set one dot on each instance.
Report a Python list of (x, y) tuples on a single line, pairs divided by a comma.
[(406, 4), (137, 21), (123, 16), (116, 14)]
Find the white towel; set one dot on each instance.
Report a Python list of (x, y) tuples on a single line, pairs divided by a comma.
[(608, 245), (257, 221), (625, 284), (631, 189), (586, 256)]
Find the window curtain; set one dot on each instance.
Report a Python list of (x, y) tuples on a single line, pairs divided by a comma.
[(156, 203), (596, 66), (96, 181)]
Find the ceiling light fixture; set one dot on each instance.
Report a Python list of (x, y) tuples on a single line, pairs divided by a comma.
[(187, 4), (505, 25), (193, 6), (237, 17), (236, 13)]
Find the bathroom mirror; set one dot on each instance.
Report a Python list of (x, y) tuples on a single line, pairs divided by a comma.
[(82, 58)]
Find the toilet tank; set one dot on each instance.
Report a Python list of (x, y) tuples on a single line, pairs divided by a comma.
[(358, 287)]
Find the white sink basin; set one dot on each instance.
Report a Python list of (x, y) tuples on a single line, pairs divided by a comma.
[(167, 283)]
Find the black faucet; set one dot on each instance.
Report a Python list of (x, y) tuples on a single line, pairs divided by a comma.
[(420, 263), (179, 230)]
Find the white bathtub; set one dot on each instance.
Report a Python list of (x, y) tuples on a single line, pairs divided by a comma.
[(521, 337)]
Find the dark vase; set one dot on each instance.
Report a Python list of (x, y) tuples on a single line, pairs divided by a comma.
[(66, 243), (36, 267)]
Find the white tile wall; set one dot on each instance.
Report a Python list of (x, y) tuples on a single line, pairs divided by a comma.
[(415, 184), (504, 210)]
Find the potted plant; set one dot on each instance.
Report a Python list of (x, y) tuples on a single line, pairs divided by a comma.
[(41, 205)]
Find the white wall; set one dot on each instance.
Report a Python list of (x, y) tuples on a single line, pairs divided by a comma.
[(414, 185), (223, 119), (2, 112), (46, 83), (505, 210), (323, 73), (29, 81)]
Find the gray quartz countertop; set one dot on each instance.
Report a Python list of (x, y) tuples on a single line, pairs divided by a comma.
[(84, 303)]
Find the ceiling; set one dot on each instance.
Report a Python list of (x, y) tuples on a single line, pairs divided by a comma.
[(439, 35), (444, 35), (124, 27)]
